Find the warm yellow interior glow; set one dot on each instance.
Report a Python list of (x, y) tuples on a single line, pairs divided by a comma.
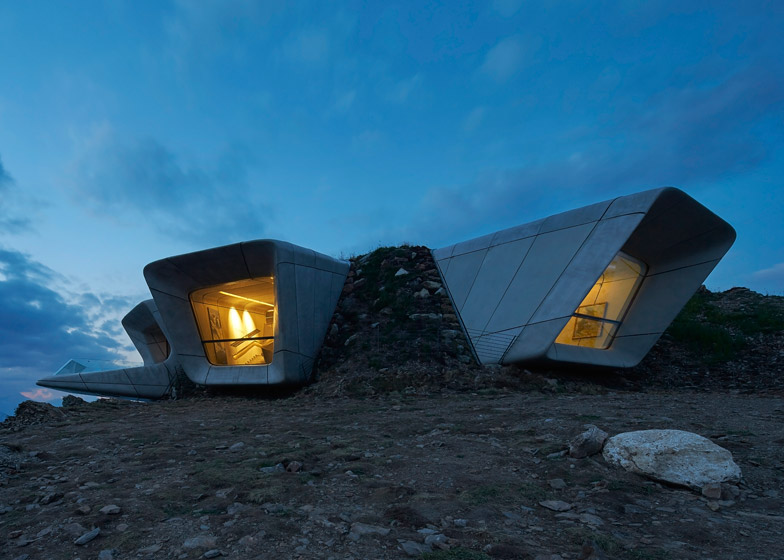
[(247, 299), (597, 318), (236, 321), (247, 322)]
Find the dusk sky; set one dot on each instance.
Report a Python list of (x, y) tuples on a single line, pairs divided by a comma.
[(132, 131)]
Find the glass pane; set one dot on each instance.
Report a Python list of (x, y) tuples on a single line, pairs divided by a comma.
[(589, 333), (598, 316), (237, 321)]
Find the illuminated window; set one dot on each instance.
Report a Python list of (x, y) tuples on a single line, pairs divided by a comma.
[(598, 317), (237, 321)]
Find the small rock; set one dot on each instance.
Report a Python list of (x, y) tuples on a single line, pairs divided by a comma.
[(275, 469), (88, 536), (423, 293), (110, 510), (43, 532), (731, 492), (224, 492), (592, 551), (591, 519), (557, 483), (587, 443), (421, 316), (360, 529), (74, 529), (712, 491), (352, 338), (438, 540), (460, 522), (401, 272), (106, 554), (149, 549), (237, 447), (214, 553), (333, 330), (294, 466), (236, 508), (556, 505), (200, 541), (84, 509), (122, 527), (51, 497), (430, 285), (413, 548)]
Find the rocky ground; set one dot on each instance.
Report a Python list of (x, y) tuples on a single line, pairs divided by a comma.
[(405, 448), (395, 328), (464, 475)]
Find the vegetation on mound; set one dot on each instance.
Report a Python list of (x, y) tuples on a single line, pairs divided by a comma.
[(718, 326)]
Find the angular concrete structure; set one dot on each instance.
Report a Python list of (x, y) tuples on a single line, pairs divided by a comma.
[(252, 313), (597, 285), (142, 323)]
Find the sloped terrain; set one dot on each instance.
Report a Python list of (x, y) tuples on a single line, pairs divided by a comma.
[(307, 477), (403, 447)]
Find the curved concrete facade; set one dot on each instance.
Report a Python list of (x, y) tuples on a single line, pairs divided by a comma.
[(516, 290), (304, 285), (144, 330)]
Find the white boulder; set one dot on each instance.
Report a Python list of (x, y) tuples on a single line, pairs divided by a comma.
[(672, 456)]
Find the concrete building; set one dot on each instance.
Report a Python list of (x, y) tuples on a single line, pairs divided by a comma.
[(597, 285), (252, 313)]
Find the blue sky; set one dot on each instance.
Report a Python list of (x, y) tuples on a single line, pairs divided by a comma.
[(131, 131)]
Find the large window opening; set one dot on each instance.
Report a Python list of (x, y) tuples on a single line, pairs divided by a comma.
[(237, 321), (596, 320)]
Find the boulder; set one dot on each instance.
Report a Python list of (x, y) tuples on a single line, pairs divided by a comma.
[(72, 400), (587, 443), (672, 456)]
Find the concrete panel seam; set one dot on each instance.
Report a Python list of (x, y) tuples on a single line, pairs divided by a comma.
[(670, 270), (511, 281), (552, 287)]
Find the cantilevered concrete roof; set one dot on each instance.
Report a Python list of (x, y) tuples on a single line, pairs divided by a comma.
[(516, 289)]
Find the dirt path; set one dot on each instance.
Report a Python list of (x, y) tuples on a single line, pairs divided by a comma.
[(379, 477)]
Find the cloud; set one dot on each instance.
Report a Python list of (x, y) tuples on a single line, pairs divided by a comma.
[(691, 137), (11, 221), (474, 119), (344, 101), (507, 8), (508, 57), (774, 274), (309, 46), (40, 394), (5, 177), (401, 91), (703, 132), (146, 183), (200, 32), (40, 329)]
